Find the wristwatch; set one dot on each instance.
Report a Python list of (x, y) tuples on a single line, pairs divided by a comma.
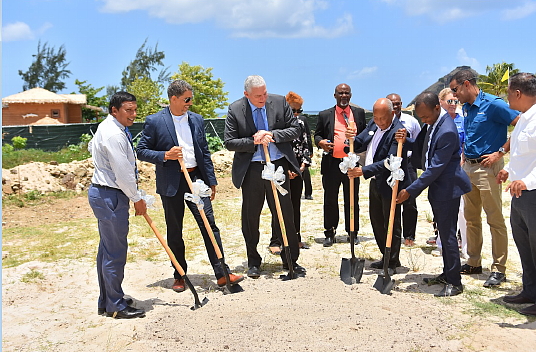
[(502, 150)]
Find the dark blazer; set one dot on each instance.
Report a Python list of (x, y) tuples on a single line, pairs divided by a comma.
[(444, 176), (240, 128), (159, 136), (325, 129), (387, 146)]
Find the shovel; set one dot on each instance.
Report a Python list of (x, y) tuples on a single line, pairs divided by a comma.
[(352, 268), (291, 274), (230, 287), (197, 304), (384, 283)]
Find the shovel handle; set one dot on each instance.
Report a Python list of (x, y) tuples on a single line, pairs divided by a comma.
[(393, 202), (201, 211), (352, 200)]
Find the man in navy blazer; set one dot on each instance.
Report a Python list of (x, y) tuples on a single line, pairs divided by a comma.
[(253, 121), (169, 135), (378, 139), (438, 146)]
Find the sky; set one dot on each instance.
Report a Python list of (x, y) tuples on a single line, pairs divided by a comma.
[(307, 46)]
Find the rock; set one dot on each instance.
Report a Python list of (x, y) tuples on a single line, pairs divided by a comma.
[(53, 162), (13, 171)]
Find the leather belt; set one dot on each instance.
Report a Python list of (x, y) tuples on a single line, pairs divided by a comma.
[(191, 169), (262, 162), (105, 187), (475, 161)]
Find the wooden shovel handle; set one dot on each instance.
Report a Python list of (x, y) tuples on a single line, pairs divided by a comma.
[(393, 203)]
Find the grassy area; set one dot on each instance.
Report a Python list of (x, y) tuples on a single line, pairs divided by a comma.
[(35, 198), (12, 158)]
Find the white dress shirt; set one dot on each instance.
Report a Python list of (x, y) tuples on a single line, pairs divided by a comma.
[(373, 145), (411, 125), (522, 165), (184, 137)]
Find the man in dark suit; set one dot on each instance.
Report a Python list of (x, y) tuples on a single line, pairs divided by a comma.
[(256, 120), (438, 149), (330, 136), (378, 139), (169, 135)]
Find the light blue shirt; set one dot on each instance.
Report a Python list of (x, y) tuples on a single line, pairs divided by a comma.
[(275, 153)]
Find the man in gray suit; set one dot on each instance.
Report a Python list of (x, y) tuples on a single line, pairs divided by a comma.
[(253, 121)]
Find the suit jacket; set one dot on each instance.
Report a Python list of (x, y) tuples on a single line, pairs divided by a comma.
[(240, 128), (444, 176), (388, 146), (325, 129), (159, 136)]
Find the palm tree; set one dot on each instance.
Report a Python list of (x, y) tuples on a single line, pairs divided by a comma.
[(492, 82)]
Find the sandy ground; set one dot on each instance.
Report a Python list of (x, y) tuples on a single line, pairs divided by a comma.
[(315, 313)]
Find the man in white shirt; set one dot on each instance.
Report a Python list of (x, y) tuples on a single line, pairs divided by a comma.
[(521, 170), (409, 207), (114, 185)]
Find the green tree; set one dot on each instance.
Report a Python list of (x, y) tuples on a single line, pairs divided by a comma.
[(89, 114), (148, 96), (492, 81), (146, 61), (47, 70), (208, 92)]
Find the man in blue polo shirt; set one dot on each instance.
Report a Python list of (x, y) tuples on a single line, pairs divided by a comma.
[(486, 124)]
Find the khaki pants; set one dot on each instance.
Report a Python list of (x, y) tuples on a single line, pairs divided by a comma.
[(487, 194)]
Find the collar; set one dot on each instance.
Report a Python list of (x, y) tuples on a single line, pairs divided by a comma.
[(179, 118), (340, 110), (253, 107)]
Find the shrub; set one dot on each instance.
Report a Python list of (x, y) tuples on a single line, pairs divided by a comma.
[(214, 143), (19, 142)]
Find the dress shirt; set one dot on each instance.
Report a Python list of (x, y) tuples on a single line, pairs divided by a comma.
[(114, 159), (184, 137), (522, 165), (411, 125), (340, 129), (275, 153), (432, 130), (373, 145)]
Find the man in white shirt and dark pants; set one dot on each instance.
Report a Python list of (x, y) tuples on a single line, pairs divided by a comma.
[(521, 170), (114, 185)]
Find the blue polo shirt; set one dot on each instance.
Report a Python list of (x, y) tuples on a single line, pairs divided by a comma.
[(486, 123)]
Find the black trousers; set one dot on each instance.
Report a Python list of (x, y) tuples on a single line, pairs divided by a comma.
[(332, 179), (174, 214), (296, 187), (254, 191), (306, 174), (380, 208), (446, 217), (409, 210), (523, 224)]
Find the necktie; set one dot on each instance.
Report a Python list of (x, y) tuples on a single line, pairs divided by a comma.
[(425, 146), (129, 137), (259, 120)]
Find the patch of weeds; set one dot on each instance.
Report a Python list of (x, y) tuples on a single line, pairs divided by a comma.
[(481, 306), (416, 259), (32, 276)]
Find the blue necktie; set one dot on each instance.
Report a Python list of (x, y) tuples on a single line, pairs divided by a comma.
[(259, 120), (129, 137)]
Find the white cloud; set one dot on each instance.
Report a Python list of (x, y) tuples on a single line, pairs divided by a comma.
[(465, 60), (244, 18), (364, 72), (524, 10), (21, 31)]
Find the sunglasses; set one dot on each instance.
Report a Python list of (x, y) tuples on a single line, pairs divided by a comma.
[(297, 111), (453, 101), (455, 89), (187, 100)]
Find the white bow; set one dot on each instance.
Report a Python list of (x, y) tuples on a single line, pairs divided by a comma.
[(276, 176), (348, 162), (200, 190), (149, 199), (393, 164)]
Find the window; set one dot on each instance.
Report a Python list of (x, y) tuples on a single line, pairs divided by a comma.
[(55, 113)]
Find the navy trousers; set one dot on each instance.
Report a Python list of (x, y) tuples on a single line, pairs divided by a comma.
[(110, 207)]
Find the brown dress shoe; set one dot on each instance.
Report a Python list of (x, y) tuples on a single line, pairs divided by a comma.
[(178, 285), (517, 299), (232, 277), (529, 310)]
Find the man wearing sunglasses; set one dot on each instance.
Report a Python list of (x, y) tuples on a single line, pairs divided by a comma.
[(169, 135), (486, 120)]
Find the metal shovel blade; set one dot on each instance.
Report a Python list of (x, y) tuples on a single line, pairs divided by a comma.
[(229, 288), (352, 270), (384, 284), (197, 302)]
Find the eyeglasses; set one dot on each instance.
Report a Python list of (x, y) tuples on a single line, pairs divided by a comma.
[(187, 100), (455, 89), (453, 101), (297, 111)]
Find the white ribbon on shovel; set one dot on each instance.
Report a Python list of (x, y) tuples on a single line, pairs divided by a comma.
[(276, 176), (348, 162), (393, 164), (200, 190), (149, 199)]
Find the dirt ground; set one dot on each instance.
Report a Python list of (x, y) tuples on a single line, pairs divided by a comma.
[(315, 313)]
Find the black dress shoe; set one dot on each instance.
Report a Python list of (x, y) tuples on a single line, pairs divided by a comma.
[(438, 280), (298, 269), (101, 311), (529, 310), (376, 265), (450, 290), (467, 269), (127, 313), (495, 279), (517, 299), (254, 272), (328, 241)]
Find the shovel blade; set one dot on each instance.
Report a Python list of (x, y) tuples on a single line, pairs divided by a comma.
[(384, 284), (352, 270), (230, 289), (199, 304)]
